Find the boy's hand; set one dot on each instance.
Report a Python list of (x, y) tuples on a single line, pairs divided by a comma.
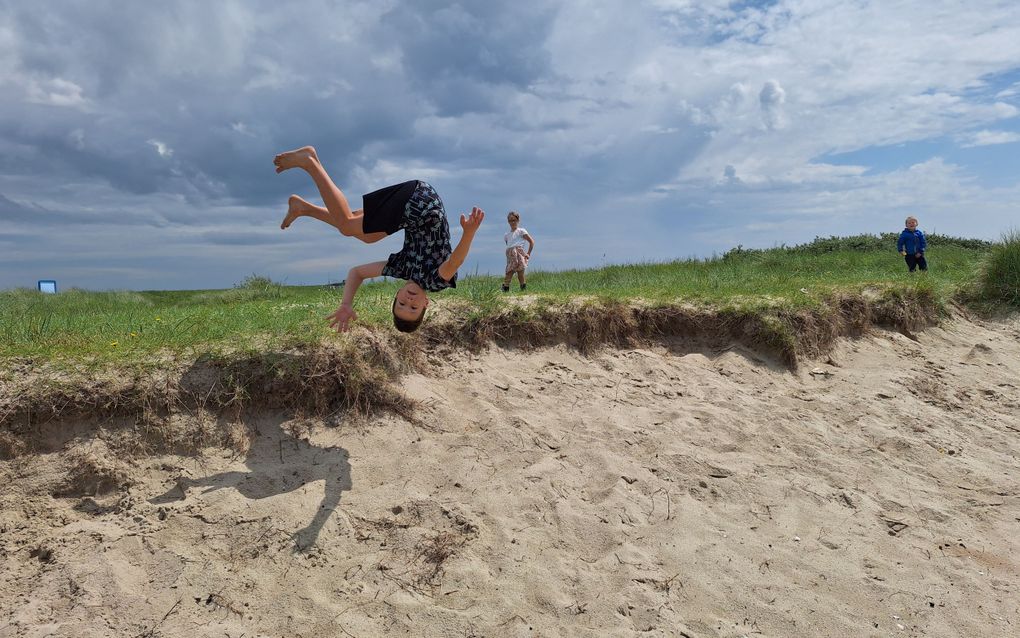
[(918, 255), (342, 318), (470, 224), (903, 252)]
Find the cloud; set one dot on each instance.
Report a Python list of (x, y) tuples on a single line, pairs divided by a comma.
[(242, 128), (772, 97), (241, 238), (1009, 92), (989, 138), (730, 175), (161, 148), (55, 92), (678, 121)]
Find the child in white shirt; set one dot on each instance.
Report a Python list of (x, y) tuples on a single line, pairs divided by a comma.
[(516, 258)]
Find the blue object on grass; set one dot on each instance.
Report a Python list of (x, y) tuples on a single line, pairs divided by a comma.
[(48, 286)]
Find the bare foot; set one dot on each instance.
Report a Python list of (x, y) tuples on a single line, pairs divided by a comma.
[(296, 207), (297, 158)]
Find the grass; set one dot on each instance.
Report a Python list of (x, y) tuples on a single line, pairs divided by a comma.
[(259, 314), (1000, 277), (261, 345)]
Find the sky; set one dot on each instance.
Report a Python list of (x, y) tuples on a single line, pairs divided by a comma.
[(136, 139)]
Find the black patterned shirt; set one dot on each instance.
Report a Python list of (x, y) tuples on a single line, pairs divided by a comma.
[(426, 242)]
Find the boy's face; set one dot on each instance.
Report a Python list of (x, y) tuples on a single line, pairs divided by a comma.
[(911, 224), (411, 301)]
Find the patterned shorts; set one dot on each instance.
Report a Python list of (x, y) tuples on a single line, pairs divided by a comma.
[(516, 259), (423, 207)]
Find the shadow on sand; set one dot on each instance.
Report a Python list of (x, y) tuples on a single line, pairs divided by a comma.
[(279, 463)]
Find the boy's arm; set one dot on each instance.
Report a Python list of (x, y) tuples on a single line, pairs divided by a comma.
[(342, 317), (470, 225), (900, 241)]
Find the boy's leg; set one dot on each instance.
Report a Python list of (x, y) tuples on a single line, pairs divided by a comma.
[(299, 207), (922, 263), (336, 203), (911, 262)]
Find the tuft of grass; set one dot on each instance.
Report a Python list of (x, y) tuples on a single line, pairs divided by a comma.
[(252, 288), (999, 281)]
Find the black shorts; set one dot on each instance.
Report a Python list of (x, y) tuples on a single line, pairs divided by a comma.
[(384, 209)]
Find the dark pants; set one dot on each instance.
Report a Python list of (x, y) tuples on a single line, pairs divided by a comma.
[(916, 262)]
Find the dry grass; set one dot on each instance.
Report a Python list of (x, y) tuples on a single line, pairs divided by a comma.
[(786, 334), (93, 470), (186, 405)]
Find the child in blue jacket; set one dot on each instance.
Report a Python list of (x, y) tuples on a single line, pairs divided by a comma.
[(911, 245)]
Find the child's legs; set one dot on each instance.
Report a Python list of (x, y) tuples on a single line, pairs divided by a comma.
[(911, 261), (299, 207), (922, 263), (344, 218), (336, 204), (511, 266)]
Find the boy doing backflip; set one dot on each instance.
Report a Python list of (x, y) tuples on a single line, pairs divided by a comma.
[(425, 261), (912, 245)]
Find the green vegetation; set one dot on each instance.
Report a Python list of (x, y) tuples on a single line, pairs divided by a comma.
[(1000, 278), (258, 314)]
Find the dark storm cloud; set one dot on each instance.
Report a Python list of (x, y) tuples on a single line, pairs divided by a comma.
[(11, 211), (183, 79), (455, 53), (195, 99), (29, 217)]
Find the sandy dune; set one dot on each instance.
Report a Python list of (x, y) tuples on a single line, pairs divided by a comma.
[(641, 492)]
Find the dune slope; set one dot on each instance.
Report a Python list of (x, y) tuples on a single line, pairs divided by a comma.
[(653, 492)]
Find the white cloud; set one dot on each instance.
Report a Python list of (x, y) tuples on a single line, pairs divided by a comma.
[(242, 128), (378, 173), (1006, 111), (865, 75), (55, 92), (161, 148), (1012, 91), (988, 138)]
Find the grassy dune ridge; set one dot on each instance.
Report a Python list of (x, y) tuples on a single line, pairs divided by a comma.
[(148, 356), (259, 314)]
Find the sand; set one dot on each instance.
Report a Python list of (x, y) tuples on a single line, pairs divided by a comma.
[(645, 492)]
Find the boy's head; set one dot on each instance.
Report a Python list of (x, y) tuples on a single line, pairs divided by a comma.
[(513, 217), (409, 306), (911, 223)]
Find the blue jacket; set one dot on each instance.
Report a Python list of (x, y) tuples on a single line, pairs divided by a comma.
[(912, 242)]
